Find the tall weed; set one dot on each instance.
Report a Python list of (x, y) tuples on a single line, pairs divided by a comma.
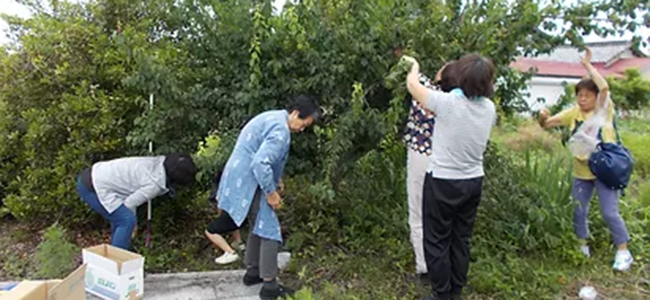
[(527, 207), (55, 255)]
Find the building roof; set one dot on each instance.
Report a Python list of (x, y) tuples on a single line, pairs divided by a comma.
[(576, 70), (610, 58), (600, 52)]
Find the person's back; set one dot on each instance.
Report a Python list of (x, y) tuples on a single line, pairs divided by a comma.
[(462, 131), (117, 179), (115, 188), (254, 132)]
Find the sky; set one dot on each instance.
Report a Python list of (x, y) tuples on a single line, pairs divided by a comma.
[(13, 8)]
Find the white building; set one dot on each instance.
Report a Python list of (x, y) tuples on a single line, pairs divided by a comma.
[(563, 66)]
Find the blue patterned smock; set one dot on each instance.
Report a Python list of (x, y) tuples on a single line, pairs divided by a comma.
[(257, 160)]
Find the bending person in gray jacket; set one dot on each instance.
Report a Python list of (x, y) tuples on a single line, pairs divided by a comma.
[(115, 188)]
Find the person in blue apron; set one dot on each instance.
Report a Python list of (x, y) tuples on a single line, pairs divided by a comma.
[(115, 188), (249, 187)]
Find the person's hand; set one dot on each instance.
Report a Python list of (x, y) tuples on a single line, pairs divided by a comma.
[(587, 58), (415, 66), (544, 114), (281, 186), (274, 200), (135, 230)]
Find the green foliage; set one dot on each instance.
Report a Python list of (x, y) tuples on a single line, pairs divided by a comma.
[(74, 89), (212, 154), (537, 194), (55, 255), (638, 144), (631, 92), (14, 265)]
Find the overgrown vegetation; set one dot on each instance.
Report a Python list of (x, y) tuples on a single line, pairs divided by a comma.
[(55, 254), (75, 84)]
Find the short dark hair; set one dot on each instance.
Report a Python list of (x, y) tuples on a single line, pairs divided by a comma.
[(306, 105), (448, 77), (588, 84), (476, 76), (180, 169)]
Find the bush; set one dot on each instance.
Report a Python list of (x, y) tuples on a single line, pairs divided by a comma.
[(531, 137), (638, 143), (538, 219), (55, 255)]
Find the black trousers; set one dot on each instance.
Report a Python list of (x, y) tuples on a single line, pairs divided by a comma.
[(449, 212)]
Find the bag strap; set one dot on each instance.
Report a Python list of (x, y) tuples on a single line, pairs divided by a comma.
[(618, 137)]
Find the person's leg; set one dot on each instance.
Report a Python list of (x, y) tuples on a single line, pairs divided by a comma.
[(92, 200), (124, 221), (271, 289), (222, 225), (415, 174), (254, 244), (219, 241), (236, 236), (582, 192), (269, 259), (238, 243), (463, 226), (252, 259), (121, 221), (440, 199), (609, 208)]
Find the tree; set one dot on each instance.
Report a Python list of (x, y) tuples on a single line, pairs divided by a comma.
[(74, 88)]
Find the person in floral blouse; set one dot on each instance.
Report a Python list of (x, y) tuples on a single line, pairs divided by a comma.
[(417, 136)]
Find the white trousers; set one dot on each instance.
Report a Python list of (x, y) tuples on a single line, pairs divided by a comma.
[(416, 164)]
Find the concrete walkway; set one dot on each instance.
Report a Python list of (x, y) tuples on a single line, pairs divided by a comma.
[(216, 285)]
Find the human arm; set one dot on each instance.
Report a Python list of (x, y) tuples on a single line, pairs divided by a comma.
[(413, 84), (431, 100), (141, 195), (599, 80), (560, 119), (272, 151)]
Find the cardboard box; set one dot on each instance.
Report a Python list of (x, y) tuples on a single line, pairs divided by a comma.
[(70, 288), (113, 273)]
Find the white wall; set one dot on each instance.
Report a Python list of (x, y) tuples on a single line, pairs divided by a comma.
[(549, 88)]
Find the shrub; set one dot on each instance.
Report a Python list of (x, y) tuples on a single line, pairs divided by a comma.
[(537, 196), (531, 137), (55, 255), (638, 143)]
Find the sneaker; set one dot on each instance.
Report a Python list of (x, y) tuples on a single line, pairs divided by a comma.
[(273, 294), (585, 250), (623, 260), (252, 280), (227, 258)]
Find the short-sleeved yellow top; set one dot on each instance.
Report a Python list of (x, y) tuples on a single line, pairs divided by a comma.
[(573, 117)]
